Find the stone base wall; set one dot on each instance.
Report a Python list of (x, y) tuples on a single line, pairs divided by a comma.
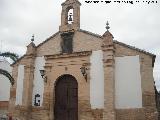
[(20, 113), (94, 114), (151, 113), (84, 110), (130, 114), (136, 114), (33, 113), (3, 109), (39, 114), (3, 105), (97, 114)]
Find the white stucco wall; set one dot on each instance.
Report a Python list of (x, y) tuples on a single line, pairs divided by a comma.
[(128, 93), (97, 80), (4, 81), (38, 80), (19, 89)]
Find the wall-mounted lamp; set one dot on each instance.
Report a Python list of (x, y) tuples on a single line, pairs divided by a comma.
[(43, 74), (84, 73)]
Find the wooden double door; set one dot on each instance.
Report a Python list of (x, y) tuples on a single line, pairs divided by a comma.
[(66, 98)]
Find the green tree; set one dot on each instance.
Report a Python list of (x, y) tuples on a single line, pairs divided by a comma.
[(12, 56)]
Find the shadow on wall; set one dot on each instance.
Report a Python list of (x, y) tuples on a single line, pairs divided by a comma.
[(157, 97)]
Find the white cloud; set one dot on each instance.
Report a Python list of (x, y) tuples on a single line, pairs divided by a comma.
[(137, 24)]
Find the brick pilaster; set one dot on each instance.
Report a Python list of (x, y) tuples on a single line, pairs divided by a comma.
[(109, 81)]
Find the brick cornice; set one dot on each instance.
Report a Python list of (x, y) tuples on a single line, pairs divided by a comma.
[(65, 55)]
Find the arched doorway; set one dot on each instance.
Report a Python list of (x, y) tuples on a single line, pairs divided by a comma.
[(66, 98)]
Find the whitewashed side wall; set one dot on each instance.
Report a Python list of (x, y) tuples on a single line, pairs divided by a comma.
[(19, 89), (97, 80), (4, 81), (5, 65), (38, 80), (128, 93)]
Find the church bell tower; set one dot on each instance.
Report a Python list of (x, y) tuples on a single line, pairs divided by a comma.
[(70, 16)]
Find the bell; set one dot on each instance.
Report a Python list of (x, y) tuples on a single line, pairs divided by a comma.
[(70, 17)]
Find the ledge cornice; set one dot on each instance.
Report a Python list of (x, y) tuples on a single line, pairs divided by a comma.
[(66, 55)]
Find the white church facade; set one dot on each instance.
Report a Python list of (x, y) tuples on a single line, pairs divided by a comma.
[(79, 75), (4, 86)]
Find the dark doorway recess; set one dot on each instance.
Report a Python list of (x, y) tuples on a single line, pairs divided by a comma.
[(66, 98)]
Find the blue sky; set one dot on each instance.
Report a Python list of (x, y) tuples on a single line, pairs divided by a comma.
[(134, 24)]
